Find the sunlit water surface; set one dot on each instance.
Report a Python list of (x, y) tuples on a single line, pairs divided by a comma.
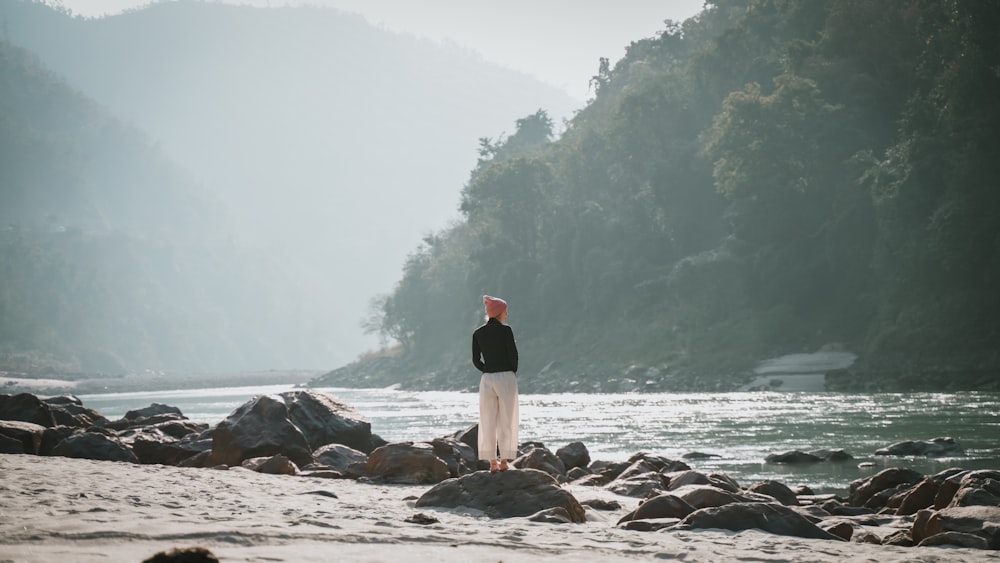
[(741, 429)]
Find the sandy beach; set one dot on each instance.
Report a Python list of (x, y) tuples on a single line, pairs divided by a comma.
[(62, 509)]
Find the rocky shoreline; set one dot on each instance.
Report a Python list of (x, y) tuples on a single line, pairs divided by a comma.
[(310, 434)]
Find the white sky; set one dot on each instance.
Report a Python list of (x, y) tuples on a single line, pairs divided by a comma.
[(556, 41)]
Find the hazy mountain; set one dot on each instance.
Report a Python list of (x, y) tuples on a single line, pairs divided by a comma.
[(330, 143)]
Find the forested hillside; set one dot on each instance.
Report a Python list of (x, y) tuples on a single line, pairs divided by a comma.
[(768, 177)]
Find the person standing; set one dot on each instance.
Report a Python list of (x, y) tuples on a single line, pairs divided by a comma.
[(494, 353)]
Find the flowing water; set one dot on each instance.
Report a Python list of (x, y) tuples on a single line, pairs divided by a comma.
[(737, 429)]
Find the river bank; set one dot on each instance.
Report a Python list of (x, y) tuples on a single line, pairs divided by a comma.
[(87, 511)]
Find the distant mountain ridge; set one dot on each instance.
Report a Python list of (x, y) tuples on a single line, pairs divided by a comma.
[(330, 145)]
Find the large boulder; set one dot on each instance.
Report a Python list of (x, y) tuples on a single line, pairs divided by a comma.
[(505, 494), (323, 420), (766, 516), (18, 437), (406, 463), (94, 445), (937, 447), (977, 488), (260, 427), (862, 490), (982, 521), (26, 408), (68, 410)]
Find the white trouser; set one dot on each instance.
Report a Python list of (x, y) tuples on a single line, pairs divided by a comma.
[(498, 415)]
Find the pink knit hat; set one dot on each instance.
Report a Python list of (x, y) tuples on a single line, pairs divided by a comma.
[(494, 306)]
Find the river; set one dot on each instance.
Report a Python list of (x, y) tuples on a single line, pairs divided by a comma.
[(741, 429)]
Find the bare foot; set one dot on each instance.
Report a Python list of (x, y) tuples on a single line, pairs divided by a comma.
[(494, 466), (503, 465)]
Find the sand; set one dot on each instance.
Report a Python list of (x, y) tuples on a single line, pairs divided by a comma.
[(61, 509)]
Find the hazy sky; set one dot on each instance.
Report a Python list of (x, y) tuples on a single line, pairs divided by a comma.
[(557, 41)]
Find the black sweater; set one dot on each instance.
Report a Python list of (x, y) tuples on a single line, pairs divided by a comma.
[(493, 348)]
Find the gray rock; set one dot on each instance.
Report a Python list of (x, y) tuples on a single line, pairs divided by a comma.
[(661, 506), (862, 490), (94, 445), (769, 517), (506, 494), (779, 491), (936, 447), (574, 455), (406, 463), (348, 461), (19, 437)]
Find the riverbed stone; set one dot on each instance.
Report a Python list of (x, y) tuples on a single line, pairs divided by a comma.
[(505, 494)]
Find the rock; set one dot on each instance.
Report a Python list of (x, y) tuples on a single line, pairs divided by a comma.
[(957, 539), (151, 410), (948, 481), (724, 482), (899, 538), (767, 516), (152, 445), (573, 455), (323, 420), (777, 490), (422, 519), (678, 479), (862, 490), (274, 465), (836, 508), (469, 437), (54, 435), (406, 463), (557, 515), (94, 445), (260, 427), (982, 521), (918, 497), (188, 555), (576, 473), (977, 488), (542, 460), (835, 456), (843, 530), (704, 496), (348, 461), (792, 457), (505, 494), (699, 455), (649, 524), (26, 407), (69, 411), (460, 458), (19, 437), (937, 447), (602, 504), (642, 485), (660, 506), (643, 462)]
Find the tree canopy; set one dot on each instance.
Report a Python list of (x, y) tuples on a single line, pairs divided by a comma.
[(768, 177)]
